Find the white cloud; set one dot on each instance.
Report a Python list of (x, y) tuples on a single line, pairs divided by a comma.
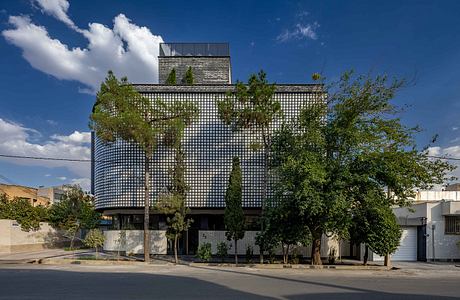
[(62, 178), (76, 137), (127, 49), (15, 140), (299, 32), (455, 128), (84, 183), (451, 152), (57, 9)]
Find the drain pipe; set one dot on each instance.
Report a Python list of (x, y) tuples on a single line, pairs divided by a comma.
[(433, 227)]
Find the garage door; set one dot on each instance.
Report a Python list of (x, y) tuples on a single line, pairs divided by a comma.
[(407, 249)]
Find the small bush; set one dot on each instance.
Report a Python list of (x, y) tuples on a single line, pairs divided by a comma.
[(249, 253), (204, 252), (222, 250), (295, 257), (94, 239)]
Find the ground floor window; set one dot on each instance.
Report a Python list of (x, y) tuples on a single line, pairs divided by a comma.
[(452, 225)]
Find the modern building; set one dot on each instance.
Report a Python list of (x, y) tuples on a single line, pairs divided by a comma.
[(430, 227), (118, 168)]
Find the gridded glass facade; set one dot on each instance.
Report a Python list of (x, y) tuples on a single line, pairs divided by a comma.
[(209, 147)]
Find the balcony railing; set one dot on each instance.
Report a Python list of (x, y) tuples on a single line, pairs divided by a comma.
[(194, 49)]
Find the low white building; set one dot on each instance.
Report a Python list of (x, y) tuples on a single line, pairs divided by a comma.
[(430, 228)]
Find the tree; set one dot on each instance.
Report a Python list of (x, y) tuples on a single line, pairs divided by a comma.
[(252, 106), (19, 209), (120, 112), (173, 202), (74, 212), (94, 239), (346, 146), (282, 227), (188, 77), (234, 215), (171, 80)]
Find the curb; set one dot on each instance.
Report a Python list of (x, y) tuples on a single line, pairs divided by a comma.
[(280, 266), (76, 261)]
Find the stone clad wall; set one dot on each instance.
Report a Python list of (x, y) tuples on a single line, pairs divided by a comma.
[(216, 236), (206, 70), (132, 241)]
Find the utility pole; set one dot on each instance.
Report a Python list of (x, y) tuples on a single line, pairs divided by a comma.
[(433, 227)]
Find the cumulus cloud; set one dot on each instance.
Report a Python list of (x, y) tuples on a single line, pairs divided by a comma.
[(57, 9), (452, 152), (76, 137), (299, 32), (15, 140), (126, 48)]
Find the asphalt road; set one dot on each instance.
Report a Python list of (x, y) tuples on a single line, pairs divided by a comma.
[(184, 282)]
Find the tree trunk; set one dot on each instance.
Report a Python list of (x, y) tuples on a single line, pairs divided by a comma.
[(387, 262), (316, 249), (236, 252), (286, 254), (72, 240), (96, 252), (265, 186), (366, 254), (176, 260), (147, 210)]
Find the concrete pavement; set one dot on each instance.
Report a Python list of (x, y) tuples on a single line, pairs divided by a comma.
[(185, 282)]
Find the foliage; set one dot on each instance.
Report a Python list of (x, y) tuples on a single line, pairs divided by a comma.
[(234, 214), (384, 233), (347, 146), (171, 80), (284, 228), (173, 203), (21, 210), (188, 77), (252, 106), (222, 250), (74, 212), (120, 112), (204, 252), (249, 253), (94, 239)]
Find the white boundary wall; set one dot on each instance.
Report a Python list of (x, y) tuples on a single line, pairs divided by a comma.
[(132, 241), (14, 239), (215, 236)]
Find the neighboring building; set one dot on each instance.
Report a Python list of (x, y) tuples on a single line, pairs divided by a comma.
[(118, 171), (430, 227), (54, 193), (24, 192)]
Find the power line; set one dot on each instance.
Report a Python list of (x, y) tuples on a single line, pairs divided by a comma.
[(90, 160)]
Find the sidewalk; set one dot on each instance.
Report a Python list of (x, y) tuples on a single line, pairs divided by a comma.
[(29, 257)]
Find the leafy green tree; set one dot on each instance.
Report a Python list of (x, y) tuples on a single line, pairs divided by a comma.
[(94, 239), (188, 77), (19, 209), (349, 144), (171, 80), (252, 106), (234, 214), (284, 228), (74, 212), (173, 202), (120, 112)]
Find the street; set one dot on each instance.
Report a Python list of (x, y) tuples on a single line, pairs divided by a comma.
[(185, 282)]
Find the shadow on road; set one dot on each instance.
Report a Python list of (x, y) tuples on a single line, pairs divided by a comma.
[(354, 293), (52, 284)]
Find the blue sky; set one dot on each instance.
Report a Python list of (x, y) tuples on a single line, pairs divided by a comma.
[(52, 61)]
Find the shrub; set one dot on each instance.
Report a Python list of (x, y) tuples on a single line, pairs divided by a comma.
[(295, 257), (249, 253), (204, 252), (222, 250), (94, 239)]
